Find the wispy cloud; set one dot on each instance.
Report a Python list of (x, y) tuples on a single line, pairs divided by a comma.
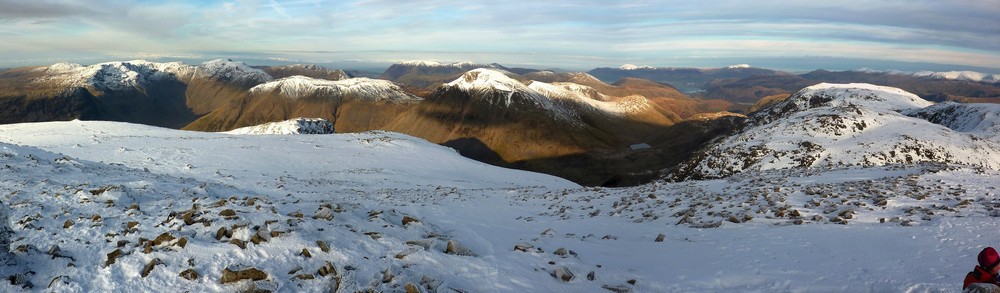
[(962, 32)]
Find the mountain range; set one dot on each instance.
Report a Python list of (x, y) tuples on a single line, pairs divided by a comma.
[(571, 124)]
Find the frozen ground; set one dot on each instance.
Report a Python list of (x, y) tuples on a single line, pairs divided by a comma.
[(239, 201)]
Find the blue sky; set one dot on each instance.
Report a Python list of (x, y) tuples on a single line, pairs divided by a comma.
[(554, 33)]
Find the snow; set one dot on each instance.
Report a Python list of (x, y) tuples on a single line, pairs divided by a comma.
[(738, 66), (581, 95), (298, 86), (232, 71), (462, 64), (961, 75), (352, 191), (292, 126), (499, 89), (982, 120), (113, 76), (831, 125), (634, 67)]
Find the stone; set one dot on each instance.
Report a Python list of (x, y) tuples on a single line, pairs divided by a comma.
[(327, 270), (305, 276), (67, 224), (150, 266), (523, 247), (660, 238), (407, 220), (457, 249), (112, 257), (323, 246), (591, 276), (305, 253), (189, 274), (411, 288), (563, 273), (230, 275)]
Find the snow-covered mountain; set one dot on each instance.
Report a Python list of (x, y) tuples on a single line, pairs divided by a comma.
[(961, 75), (571, 94), (291, 126), (982, 120), (838, 125), (363, 88), (113, 76), (496, 88), (230, 71)]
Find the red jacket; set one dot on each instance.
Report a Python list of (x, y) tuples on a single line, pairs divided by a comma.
[(979, 275)]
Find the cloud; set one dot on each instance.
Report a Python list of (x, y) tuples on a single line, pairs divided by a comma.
[(959, 31)]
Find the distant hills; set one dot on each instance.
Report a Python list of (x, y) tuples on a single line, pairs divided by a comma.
[(581, 126)]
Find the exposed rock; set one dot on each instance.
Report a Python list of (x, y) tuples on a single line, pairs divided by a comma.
[(591, 276), (523, 247), (305, 253), (230, 275), (112, 257), (327, 269), (222, 232), (425, 243), (149, 266), (407, 220), (228, 214), (457, 249), (660, 238), (189, 274), (387, 275), (617, 289), (563, 273), (305, 276), (323, 246), (561, 252), (67, 224), (411, 288)]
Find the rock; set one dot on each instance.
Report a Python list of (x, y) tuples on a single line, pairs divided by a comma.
[(163, 238), (324, 213), (660, 238), (322, 246), (112, 257), (561, 252), (425, 243), (230, 275), (220, 233), (523, 247), (67, 224), (242, 244), (20, 280), (387, 275), (411, 288), (149, 266), (457, 249), (563, 273), (591, 276), (305, 253), (63, 279), (228, 214), (631, 282), (548, 232), (327, 270), (189, 274), (410, 249), (95, 218), (617, 289), (305, 276), (407, 220)]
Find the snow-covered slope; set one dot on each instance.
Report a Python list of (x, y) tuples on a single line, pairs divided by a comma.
[(113, 207), (231, 71), (836, 125), (113, 75), (982, 120), (291, 126), (498, 89), (575, 94), (364, 88)]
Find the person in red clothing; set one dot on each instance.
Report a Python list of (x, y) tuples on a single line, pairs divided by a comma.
[(986, 271)]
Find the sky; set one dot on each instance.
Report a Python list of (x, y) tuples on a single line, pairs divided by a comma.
[(550, 34)]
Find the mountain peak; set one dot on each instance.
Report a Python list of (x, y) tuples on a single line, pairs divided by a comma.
[(365, 88), (634, 67), (118, 75), (235, 71), (738, 66)]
